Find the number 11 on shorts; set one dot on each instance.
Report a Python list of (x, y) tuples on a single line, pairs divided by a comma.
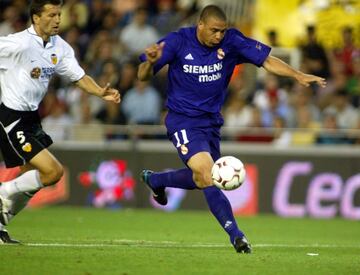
[(183, 136)]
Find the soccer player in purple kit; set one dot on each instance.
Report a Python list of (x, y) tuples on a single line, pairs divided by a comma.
[(201, 61)]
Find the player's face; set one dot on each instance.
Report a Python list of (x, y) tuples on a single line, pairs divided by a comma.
[(211, 31), (47, 23)]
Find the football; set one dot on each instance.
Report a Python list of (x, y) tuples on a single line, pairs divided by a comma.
[(228, 173)]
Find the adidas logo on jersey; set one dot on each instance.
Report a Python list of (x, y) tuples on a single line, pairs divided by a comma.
[(189, 57)]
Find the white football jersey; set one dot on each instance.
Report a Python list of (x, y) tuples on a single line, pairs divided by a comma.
[(26, 67)]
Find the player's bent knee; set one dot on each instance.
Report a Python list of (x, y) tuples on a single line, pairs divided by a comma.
[(202, 179), (58, 173), (53, 176)]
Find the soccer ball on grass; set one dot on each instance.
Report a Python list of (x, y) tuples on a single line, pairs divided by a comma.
[(228, 173)]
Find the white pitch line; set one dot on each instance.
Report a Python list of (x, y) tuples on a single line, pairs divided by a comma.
[(169, 244), (308, 245)]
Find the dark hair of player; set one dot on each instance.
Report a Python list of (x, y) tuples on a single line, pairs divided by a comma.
[(37, 6), (212, 11)]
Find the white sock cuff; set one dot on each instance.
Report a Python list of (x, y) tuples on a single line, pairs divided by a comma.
[(30, 179), (37, 178), (27, 182)]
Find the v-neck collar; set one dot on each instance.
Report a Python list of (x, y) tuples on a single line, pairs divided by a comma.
[(49, 44)]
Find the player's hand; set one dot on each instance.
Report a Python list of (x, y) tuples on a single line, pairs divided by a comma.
[(154, 52), (307, 79), (111, 94)]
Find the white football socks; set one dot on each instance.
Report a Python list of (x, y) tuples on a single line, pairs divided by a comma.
[(27, 182), (19, 201)]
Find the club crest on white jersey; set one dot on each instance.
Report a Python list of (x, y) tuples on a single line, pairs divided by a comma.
[(54, 59)]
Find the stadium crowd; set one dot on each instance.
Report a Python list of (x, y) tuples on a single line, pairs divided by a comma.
[(108, 37)]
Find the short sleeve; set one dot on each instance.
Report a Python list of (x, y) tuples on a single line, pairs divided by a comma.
[(68, 66), (172, 45), (9, 46), (249, 50)]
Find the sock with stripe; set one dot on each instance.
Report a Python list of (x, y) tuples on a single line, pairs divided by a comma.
[(181, 178), (27, 182), (220, 207)]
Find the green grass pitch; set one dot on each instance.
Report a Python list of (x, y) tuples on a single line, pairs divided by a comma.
[(65, 240)]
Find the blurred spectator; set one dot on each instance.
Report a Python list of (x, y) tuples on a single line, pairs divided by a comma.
[(10, 17), (333, 134), (110, 112), (142, 105), (95, 43), (355, 135), (160, 82), (237, 113), (22, 6), (110, 24), (305, 119), (303, 97), (259, 134), (102, 55), (110, 72), (48, 103), (276, 108), (314, 56), (346, 115), (127, 75), (347, 51), (77, 41), (272, 101), (97, 13), (57, 120), (13, 18), (187, 8), (271, 89), (73, 13), (87, 114), (336, 82), (57, 123), (307, 128), (256, 118), (90, 129), (138, 34), (239, 85), (272, 36), (166, 19), (124, 7), (74, 98), (4, 4), (353, 83), (282, 137)]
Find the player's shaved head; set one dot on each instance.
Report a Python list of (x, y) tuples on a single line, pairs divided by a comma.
[(212, 26), (212, 11)]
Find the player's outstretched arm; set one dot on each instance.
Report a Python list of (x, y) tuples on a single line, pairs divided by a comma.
[(153, 54), (88, 84), (279, 67)]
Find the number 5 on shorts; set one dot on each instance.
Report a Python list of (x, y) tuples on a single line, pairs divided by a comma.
[(20, 136)]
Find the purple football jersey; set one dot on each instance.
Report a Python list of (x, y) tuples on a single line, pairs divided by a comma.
[(199, 75)]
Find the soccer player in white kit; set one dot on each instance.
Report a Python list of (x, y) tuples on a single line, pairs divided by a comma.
[(28, 59)]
